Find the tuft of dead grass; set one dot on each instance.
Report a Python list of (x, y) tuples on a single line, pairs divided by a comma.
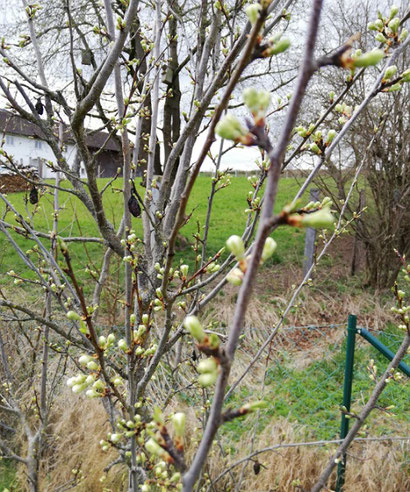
[(371, 466), (78, 425)]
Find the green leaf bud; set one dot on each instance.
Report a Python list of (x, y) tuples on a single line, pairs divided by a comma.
[(110, 339), (115, 438), (235, 277), (278, 47), (253, 12), (394, 88), (394, 25), (85, 359), (184, 270), (102, 341), (207, 365), (403, 35), (368, 59), (207, 379), (315, 148), (381, 38), (153, 447), (321, 219), (178, 421), (379, 24), (268, 248), (256, 405), (371, 26), (390, 71), (257, 101), (193, 325), (230, 128), (394, 10), (236, 246), (73, 316), (92, 365), (78, 388), (405, 76), (122, 344), (331, 134)]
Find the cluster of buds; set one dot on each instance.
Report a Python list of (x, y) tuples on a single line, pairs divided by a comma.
[(245, 410), (402, 309), (387, 28), (80, 383), (73, 316), (315, 214), (345, 111), (230, 128), (391, 81), (319, 144), (236, 246)]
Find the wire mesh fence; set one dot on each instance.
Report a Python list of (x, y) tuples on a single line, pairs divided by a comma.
[(304, 381)]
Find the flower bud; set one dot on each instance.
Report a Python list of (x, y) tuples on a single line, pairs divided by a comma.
[(381, 38), (370, 58), (194, 327), (394, 25), (110, 339), (230, 128), (115, 438), (85, 359), (153, 447), (379, 24), (122, 344), (178, 420), (92, 366), (331, 134), (236, 246), (71, 382), (268, 248), (315, 148), (235, 277), (207, 379), (257, 101), (390, 71), (207, 365), (184, 270), (99, 385), (278, 47), (371, 26), (403, 35), (256, 405), (394, 10), (92, 394), (78, 388), (145, 318), (253, 12), (321, 219), (394, 88), (102, 341), (73, 316), (405, 76)]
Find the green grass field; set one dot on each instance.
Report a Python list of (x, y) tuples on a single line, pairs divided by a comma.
[(228, 217)]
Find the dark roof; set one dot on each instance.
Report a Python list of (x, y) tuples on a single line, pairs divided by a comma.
[(16, 125)]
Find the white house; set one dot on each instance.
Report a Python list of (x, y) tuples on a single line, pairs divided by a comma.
[(24, 141)]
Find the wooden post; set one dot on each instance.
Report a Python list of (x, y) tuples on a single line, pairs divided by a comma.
[(356, 245), (310, 238)]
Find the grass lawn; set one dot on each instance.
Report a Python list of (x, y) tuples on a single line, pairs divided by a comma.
[(228, 218)]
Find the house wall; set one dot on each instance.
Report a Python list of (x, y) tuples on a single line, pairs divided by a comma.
[(26, 151)]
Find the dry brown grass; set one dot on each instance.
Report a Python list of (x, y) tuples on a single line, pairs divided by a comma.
[(79, 425), (372, 466)]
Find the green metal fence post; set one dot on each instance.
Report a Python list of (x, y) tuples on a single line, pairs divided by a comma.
[(347, 394)]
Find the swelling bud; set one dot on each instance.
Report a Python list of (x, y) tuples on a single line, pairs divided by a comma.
[(368, 59), (321, 219), (236, 247), (257, 101), (230, 128), (178, 421), (253, 12), (268, 248), (194, 327)]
